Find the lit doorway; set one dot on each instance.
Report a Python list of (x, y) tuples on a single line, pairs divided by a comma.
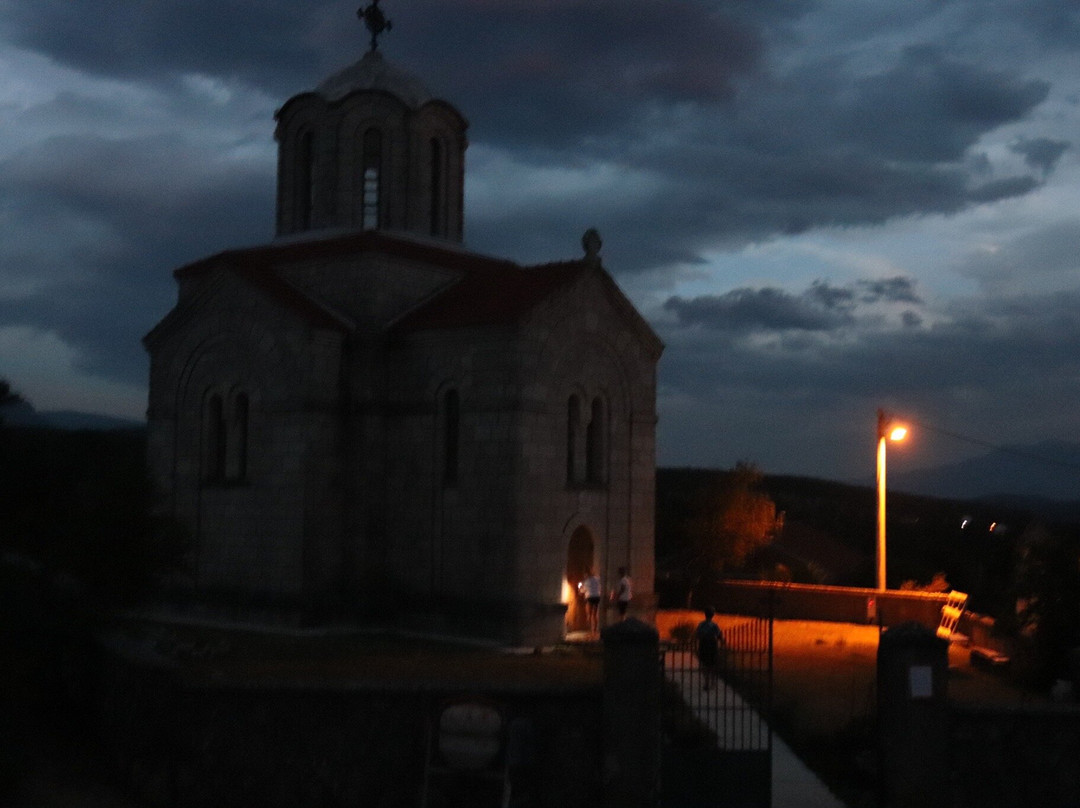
[(579, 563)]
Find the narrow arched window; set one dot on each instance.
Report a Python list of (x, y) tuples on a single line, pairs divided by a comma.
[(594, 444), (238, 439), (371, 165), (305, 180), (573, 428), (451, 437), (436, 208), (214, 424)]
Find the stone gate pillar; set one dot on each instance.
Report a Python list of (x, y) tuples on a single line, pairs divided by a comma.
[(632, 683), (913, 718)]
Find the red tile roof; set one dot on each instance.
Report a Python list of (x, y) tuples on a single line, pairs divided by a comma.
[(485, 296), (489, 290)]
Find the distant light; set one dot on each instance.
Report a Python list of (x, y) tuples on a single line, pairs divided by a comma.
[(898, 433), (964, 523), (993, 526)]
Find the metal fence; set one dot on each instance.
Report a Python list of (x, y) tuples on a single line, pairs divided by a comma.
[(732, 706)]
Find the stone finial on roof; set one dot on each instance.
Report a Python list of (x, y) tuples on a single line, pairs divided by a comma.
[(375, 21), (591, 243)]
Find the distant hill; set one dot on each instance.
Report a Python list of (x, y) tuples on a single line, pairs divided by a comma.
[(1039, 476), (24, 415), (829, 536)]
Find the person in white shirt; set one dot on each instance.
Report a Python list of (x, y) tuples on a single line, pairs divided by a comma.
[(593, 591), (623, 592)]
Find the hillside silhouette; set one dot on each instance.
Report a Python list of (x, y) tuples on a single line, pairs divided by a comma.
[(829, 537)]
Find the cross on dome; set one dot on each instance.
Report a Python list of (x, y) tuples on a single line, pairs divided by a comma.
[(375, 21)]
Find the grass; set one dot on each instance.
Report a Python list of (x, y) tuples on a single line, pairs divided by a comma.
[(349, 656)]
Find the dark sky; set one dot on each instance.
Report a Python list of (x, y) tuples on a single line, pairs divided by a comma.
[(822, 207)]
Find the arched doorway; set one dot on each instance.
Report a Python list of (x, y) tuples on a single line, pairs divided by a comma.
[(579, 563)]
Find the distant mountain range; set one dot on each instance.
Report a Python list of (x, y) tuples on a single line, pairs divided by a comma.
[(1034, 476), (1044, 477), (24, 414)]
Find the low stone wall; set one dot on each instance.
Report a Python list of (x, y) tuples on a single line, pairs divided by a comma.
[(841, 604), (285, 744)]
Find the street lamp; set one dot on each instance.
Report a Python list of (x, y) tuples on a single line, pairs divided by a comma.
[(887, 429)]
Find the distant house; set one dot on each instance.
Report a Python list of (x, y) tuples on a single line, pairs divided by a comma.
[(364, 418)]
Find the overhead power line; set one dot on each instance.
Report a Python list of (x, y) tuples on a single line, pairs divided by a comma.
[(1050, 461)]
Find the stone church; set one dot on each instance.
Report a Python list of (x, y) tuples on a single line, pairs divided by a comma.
[(363, 419)]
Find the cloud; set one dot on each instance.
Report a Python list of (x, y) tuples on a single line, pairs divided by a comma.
[(981, 369), (755, 309), (689, 132), (100, 224), (264, 43), (708, 99), (893, 290), (1046, 257), (1041, 152), (823, 307), (729, 170), (41, 361), (929, 107)]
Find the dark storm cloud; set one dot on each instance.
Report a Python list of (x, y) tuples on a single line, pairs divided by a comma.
[(831, 297), (817, 146), (559, 77), (718, 123), (542, 59), (893, 290), (155, 192), (104, 222), (738, 144), (1047, 253), (981, 374), (1002, 351), (929, 107), (1055, 22), (911, 319), (822, 308), (1041, 152), (265, 43), (743, 310)]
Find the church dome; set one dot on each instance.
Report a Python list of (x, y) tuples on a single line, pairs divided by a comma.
[(373, 72), (370, 148)]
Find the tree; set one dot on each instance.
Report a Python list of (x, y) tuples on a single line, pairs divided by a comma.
[(1047, 591), (8, 398), (730, 519), (79, 505)]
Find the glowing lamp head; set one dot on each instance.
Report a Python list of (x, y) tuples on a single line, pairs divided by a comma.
[(890, 429)]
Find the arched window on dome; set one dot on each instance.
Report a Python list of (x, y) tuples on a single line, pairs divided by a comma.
[(437, 214), (371, 163)]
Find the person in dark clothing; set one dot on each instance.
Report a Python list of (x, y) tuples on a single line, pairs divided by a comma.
[(708, 638)]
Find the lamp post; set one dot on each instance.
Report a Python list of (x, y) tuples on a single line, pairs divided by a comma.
[(887, 430)]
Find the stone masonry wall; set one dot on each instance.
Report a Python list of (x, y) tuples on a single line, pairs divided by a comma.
[(191, 745), (248, 534), (577, 345)]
